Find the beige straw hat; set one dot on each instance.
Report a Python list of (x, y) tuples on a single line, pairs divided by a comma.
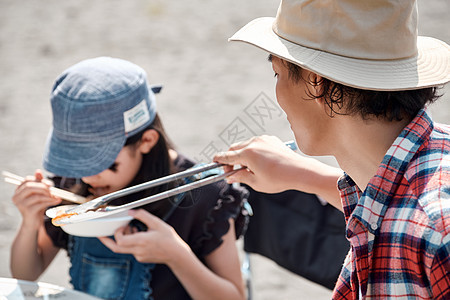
[(368, 44)]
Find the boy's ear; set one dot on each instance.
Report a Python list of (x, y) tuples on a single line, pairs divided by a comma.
[(149, 139), (315, 80), (316, 88)]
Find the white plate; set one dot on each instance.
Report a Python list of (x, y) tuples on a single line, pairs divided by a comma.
[(99, 226), (14, 289)]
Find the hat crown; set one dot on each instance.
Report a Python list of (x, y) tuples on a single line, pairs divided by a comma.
[(89, 99), (99, 79), (363, 29)]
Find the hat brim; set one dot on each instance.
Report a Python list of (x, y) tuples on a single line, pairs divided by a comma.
[(77, 160), (430, 67)]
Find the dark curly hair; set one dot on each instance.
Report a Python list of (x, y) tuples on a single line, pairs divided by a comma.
[(385, 105)]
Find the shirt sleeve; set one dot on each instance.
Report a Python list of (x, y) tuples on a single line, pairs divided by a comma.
[(440, 271)]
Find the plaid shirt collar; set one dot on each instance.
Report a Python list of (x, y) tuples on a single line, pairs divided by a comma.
[(369, 207)]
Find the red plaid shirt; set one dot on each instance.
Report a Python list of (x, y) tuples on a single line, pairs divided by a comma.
[(399, 228)]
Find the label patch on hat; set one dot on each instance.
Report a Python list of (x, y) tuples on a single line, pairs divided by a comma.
[(136, 117)]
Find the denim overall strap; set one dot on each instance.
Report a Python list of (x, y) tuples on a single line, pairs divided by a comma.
[(98, 271)]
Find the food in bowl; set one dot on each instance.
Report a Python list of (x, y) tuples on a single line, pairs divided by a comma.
[(90, 224)]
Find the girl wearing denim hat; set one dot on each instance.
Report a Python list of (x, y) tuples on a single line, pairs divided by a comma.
[(107, 136)]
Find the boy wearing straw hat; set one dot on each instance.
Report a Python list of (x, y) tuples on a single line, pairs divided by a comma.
[(354, 80)]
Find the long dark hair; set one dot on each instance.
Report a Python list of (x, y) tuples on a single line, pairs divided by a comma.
[(155, 164)]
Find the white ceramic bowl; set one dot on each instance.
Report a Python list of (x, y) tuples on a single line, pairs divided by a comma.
[(100, 226)]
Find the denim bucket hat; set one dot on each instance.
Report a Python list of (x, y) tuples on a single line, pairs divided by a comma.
[(96, 104)]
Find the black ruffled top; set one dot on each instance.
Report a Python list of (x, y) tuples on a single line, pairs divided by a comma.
[(201, 220)]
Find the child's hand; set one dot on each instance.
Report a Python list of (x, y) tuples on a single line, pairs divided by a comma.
[(159, 244), (32, 198)]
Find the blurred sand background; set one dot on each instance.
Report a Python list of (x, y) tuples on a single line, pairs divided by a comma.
[(210, 87)]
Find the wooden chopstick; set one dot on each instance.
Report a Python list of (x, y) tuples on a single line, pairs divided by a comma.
[(63, 194)]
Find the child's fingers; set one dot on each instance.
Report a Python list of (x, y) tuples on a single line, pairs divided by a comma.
[(126, 243), (38, 175), (145, 217), (27, 189), (121, 243), (112, 245)]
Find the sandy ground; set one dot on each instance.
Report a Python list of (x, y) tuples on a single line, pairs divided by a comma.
[(211, 87)]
